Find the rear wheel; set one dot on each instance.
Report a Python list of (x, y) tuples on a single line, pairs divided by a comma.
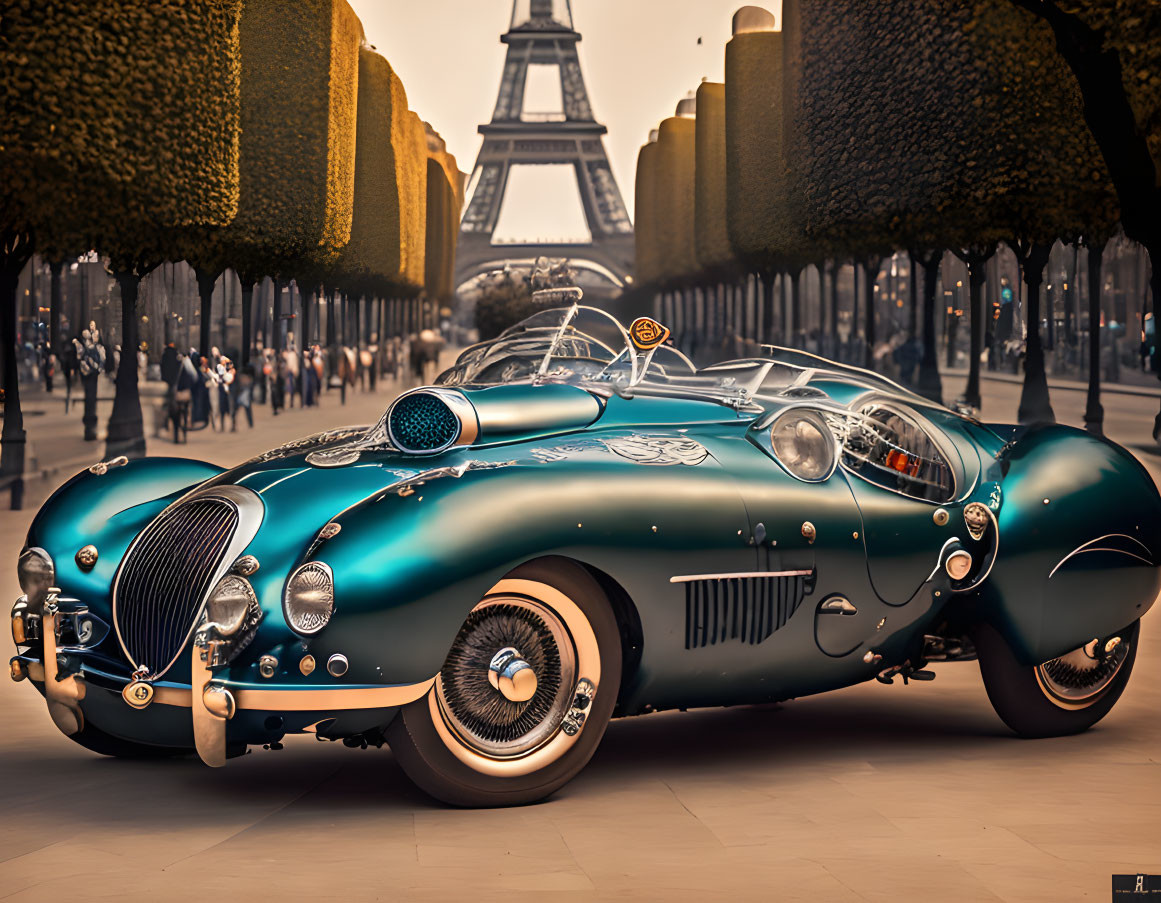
[(1065, 695), (524, 696)]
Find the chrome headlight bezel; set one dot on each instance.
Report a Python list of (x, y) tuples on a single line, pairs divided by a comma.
[(229, 619), (308, 602), (786, 430), (36, 572)]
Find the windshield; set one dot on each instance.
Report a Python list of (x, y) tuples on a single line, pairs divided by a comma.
[(565, 344)]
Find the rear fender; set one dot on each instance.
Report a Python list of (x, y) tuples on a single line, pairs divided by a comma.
[(1079, 543)]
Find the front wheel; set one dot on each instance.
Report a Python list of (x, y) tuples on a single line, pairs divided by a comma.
[(524, 696), (1065, 695)]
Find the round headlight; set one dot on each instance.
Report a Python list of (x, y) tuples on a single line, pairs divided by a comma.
[(804, 444), (36, 573), (309, 601)]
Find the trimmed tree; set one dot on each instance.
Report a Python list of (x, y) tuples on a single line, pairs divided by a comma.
[(141, 167)]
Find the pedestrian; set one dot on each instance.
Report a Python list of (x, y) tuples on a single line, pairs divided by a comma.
[(91, 359), (226, 376), (242, 388), (183, 388), (199, 409)]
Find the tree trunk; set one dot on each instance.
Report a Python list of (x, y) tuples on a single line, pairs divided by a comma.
[(1035, 406), (206, 282), (835, 270), (126, 433), (13, 436), (247, 320), (871, 271), (55, 303), (795, 318), (913, 288), (276, 318), (1094, 412), (977, 277), (930, 385)]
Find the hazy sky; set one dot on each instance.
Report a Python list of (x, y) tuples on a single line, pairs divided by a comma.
[(639, 58)]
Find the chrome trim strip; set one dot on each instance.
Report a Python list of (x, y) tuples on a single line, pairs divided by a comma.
[(312, 700), (736, 575), (1088, 547)]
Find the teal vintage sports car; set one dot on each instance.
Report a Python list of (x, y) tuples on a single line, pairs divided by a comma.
[(575, 523)]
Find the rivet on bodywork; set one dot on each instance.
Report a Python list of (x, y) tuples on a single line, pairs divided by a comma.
[(940, 516), (1046, 501), (654, 528), (86, 557)]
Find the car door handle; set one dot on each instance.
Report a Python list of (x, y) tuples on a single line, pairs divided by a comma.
[(837, 605)]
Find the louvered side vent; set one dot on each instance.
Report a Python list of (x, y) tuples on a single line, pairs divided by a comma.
[(740, 609), (166, 576)]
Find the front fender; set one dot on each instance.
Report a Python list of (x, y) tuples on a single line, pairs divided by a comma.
[(108, 510), (1080, 543), (409, 567)]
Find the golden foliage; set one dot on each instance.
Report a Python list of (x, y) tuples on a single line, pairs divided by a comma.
[(675, 199), (120, 123), (412, 154), (648, 262), (444, 203), (943, 124), (764, 192), (299, 96), (711, 227), (371, 261), (1133, 29)]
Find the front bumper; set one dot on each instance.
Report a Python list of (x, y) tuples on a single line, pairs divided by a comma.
[(177, 715)]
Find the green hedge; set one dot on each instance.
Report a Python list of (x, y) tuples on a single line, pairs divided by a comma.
[(444, 202), (942, 124), (711, 224), (764, 189), (412, 154), (300, 65), (648, 256), (371, 261), (1133, 29), (675, 199), (120, 123)]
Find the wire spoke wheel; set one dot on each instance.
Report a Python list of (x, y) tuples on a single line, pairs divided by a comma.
[(1080, 677), (524, 695), (477, 710)]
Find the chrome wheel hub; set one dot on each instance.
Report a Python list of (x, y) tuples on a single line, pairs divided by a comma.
[(508, 681), (1078, 678)]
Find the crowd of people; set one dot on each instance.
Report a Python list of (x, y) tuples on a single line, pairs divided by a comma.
[(210, 390)]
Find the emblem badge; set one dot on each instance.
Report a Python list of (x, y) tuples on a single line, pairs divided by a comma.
[(647, 333), (138, 694)]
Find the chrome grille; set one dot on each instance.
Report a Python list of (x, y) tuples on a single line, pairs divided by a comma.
[(740, 609), (165, 578)]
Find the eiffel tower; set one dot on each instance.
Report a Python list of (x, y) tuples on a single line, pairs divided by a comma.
[(541, 34)]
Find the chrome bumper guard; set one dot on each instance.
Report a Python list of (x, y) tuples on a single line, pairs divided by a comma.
[(212, 702)]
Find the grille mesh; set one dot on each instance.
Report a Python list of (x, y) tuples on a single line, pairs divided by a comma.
[(742, 609), (422, 422), (166, 576)]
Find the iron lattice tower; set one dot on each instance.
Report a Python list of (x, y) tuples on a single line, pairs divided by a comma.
[(541, 33)]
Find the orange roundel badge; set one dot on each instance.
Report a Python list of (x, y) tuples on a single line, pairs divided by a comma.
[(647, 333)]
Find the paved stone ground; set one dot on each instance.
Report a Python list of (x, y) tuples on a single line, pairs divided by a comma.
[(871, 793)]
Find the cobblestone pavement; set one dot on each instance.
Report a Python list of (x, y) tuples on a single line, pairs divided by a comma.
[(871, 793)]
